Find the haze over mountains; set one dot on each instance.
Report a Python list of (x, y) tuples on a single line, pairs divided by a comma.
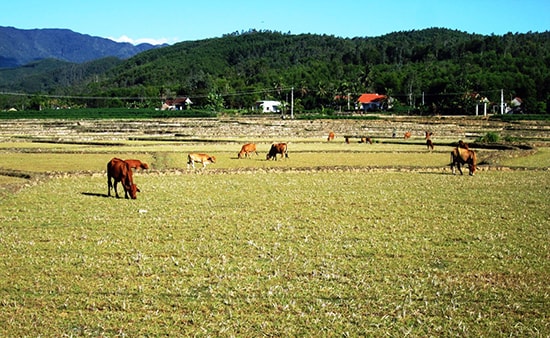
[(19, 47)]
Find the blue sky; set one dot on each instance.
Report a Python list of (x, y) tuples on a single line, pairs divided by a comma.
[(171, 21)]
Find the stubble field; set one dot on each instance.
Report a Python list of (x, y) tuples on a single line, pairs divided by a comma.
[(338, 240)]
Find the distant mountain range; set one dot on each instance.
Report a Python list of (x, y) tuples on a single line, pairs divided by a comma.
[(19, 47)]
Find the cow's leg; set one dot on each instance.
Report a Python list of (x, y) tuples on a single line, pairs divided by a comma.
[(458, 165), (125, 187), (109, 185), (115, 187)]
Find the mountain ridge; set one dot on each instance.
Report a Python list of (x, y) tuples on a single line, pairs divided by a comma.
[(22, 46)]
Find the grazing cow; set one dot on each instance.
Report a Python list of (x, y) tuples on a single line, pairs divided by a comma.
[(277, 148), (330, 136), (137, 164), (120, 171), (366, 140), (346, 139), (461, 156), (200, 158), (407, 135), (429, 144), (246, 150)]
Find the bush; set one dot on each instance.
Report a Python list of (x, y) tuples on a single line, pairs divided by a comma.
[(490, 137)]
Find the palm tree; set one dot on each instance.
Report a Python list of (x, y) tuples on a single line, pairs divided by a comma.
[(302, 89)]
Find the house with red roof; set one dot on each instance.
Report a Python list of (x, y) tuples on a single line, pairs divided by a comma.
[(371, 101)]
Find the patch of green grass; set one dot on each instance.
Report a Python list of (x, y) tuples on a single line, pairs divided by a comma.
[(68, 157), (63, 162), (521, 117), (104, 113), (541, 159), (279, 254)]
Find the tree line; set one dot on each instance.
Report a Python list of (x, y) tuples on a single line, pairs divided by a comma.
[(431, 71)]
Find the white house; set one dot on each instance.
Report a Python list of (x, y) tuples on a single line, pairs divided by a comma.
[(179, 103), (269, 106)]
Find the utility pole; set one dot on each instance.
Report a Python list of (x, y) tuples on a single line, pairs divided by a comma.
[(501, 101), (292, 103)]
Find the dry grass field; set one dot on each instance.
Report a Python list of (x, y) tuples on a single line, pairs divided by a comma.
[(337, 240)]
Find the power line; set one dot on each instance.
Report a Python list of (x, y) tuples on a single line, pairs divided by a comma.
[(238, 93), (259, 91)]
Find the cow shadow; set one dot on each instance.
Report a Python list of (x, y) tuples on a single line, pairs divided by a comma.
[(95, 194)]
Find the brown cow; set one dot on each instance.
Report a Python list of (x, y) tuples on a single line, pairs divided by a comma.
[(429, 144), (277, 148), (330, 136), (137, 164), (461, 156), (200, 158), (246, 150), (407, 135), (120, 171)]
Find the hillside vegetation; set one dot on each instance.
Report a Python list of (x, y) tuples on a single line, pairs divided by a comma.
[(436, 71)]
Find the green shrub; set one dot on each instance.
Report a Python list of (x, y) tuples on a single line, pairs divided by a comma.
[(490, 137)]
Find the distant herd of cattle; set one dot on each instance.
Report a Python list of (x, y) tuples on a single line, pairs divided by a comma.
[(120, 171)]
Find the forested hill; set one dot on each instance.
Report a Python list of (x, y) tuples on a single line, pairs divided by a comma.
[(434, 70), (435, 62)]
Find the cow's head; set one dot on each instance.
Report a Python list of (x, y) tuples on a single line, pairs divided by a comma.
[(144, 165), (133, 191), (212, 159), (472, 162)]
